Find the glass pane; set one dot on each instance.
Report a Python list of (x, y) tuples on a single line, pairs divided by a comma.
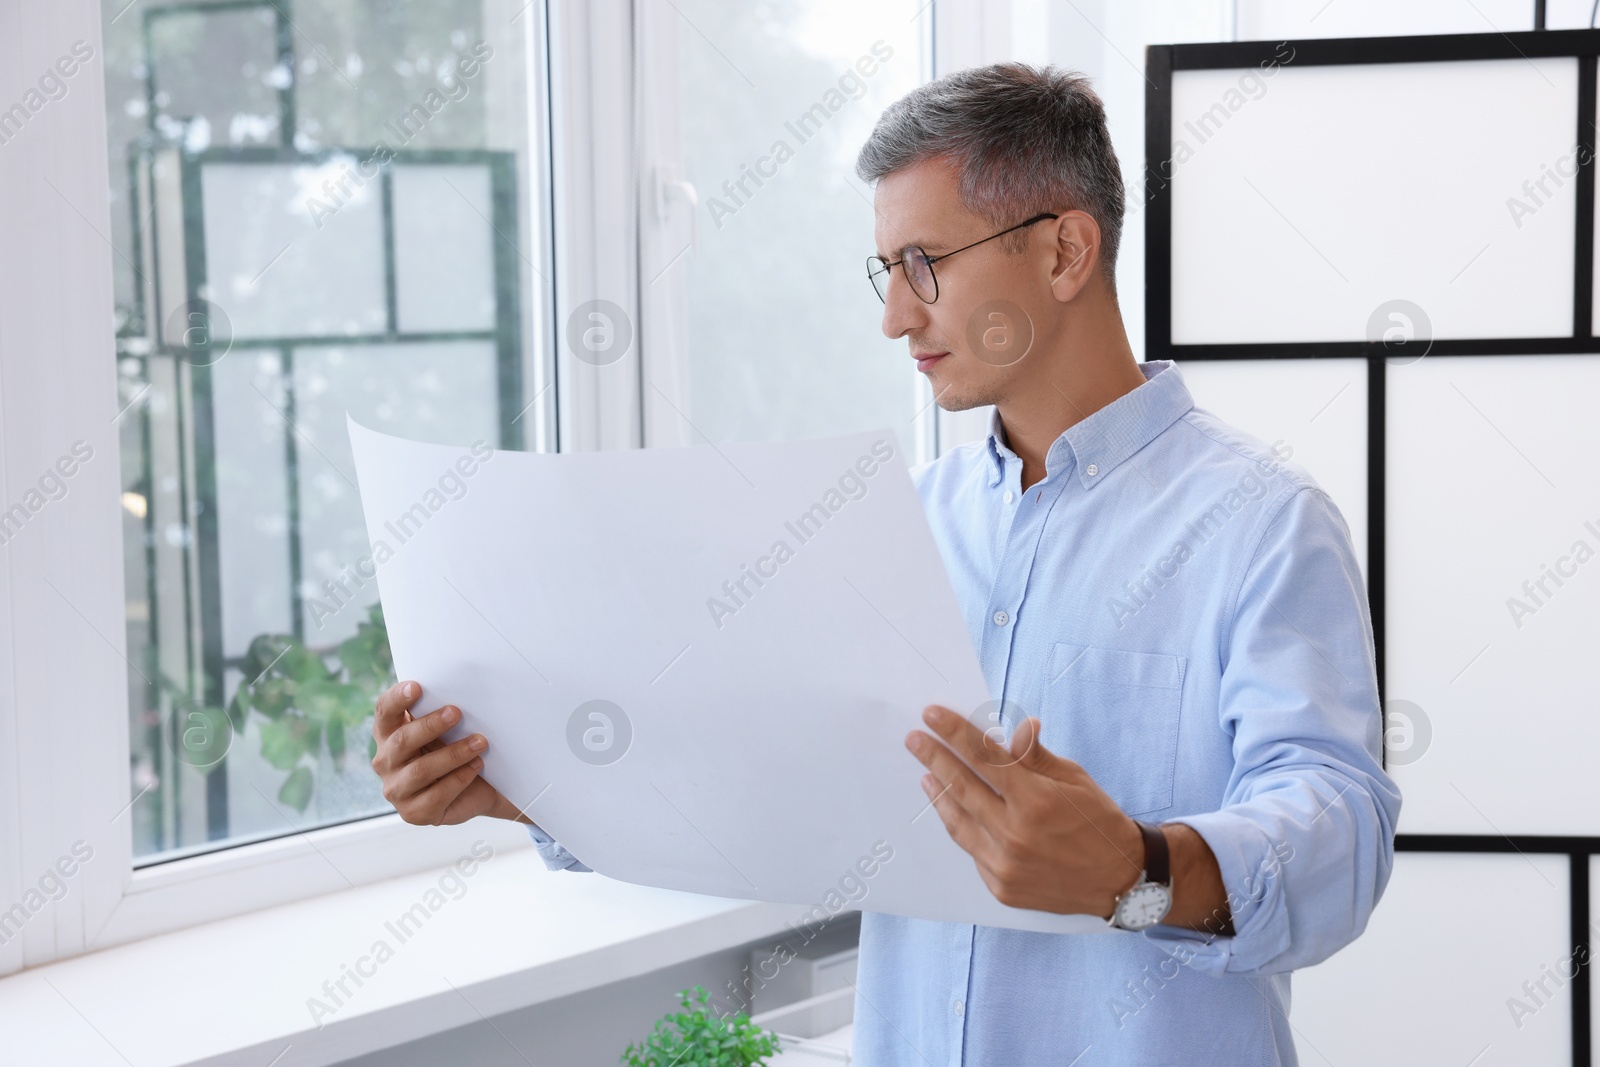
[(281, 266), (252, 494), (444, 259), (443, 393), (189, 102), (775, 104), (315, 204)]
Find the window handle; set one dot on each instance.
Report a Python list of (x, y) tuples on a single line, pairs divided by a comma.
[(668, 187)]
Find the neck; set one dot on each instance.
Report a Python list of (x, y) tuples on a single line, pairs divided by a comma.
[(1086, 369)]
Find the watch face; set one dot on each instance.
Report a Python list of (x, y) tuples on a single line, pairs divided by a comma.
[(1144, 905)]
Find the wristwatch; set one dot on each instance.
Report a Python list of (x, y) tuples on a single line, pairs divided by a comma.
[(1150, 898)]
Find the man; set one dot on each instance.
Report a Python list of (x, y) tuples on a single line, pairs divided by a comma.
[(1151, 592)]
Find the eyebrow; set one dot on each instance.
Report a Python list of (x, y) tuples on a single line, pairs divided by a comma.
[(930, 247)]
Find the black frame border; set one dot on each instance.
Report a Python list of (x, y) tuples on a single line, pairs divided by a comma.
[(1161, 62)]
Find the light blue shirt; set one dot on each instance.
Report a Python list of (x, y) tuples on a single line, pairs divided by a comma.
[(1181, 608)]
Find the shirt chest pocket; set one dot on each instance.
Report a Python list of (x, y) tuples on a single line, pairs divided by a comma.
[(1116, 713)]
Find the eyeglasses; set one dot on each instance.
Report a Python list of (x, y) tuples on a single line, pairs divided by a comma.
[(917, 265)]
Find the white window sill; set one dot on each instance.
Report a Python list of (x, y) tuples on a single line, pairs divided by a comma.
[(237, 990)]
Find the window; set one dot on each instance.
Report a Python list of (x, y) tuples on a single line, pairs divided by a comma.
[(757, 113), (324, 206), (298, 208)]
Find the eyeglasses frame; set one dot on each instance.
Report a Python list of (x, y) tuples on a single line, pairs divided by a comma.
[(931, 260)]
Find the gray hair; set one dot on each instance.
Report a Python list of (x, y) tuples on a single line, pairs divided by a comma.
[(1024, 139)]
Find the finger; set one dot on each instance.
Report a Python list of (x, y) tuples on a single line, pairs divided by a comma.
[(413, 739), (963, 829), (1031, 753), (1025, 747), (419, 774), (477, 797), (982, 751), (432, 806), (392, 711), (973, 793), (431, 746)]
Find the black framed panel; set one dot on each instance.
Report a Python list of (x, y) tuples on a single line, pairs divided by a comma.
[(1388, 356), (1163, 61), (1429, 980)]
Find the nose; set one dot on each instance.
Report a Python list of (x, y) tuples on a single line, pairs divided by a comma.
[(903, 310)]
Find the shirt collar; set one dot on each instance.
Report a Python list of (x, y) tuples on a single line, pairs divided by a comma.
[(1114, 432)]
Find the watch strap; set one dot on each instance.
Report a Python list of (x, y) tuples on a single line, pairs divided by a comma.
[(1157, 864)]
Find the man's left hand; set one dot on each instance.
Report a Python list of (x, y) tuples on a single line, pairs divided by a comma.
[(1042, 831)]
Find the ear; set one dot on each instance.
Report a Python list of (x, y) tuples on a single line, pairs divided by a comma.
[(1077, 254)]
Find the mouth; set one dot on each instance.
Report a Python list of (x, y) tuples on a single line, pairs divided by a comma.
[(926, 360)]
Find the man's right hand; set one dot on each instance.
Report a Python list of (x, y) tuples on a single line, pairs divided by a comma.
[(429, 782)]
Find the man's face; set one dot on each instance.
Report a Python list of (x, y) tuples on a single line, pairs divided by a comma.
[(992, 304)]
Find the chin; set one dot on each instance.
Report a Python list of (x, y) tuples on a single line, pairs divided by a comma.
[(952, 397)]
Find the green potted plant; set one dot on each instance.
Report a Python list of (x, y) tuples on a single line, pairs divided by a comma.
[(308, 699), (696, 1037)]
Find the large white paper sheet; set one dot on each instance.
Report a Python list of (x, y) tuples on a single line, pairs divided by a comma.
[(696, 667)]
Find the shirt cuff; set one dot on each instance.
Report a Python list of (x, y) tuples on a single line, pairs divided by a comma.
[(551, 851), (1250, 867)]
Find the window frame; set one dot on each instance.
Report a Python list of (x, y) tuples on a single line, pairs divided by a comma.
[(62, 572), (65, 675), (63, 671)]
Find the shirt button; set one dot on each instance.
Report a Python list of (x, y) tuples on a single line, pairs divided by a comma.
[(959, 1007), (1092, 469), (1010, 496), (1001, 618)]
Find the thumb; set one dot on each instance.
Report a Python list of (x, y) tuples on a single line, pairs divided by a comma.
[(1030, 751)]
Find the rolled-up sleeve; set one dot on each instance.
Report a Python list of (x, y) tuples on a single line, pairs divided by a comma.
[(1305, 835), (551, 851)]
